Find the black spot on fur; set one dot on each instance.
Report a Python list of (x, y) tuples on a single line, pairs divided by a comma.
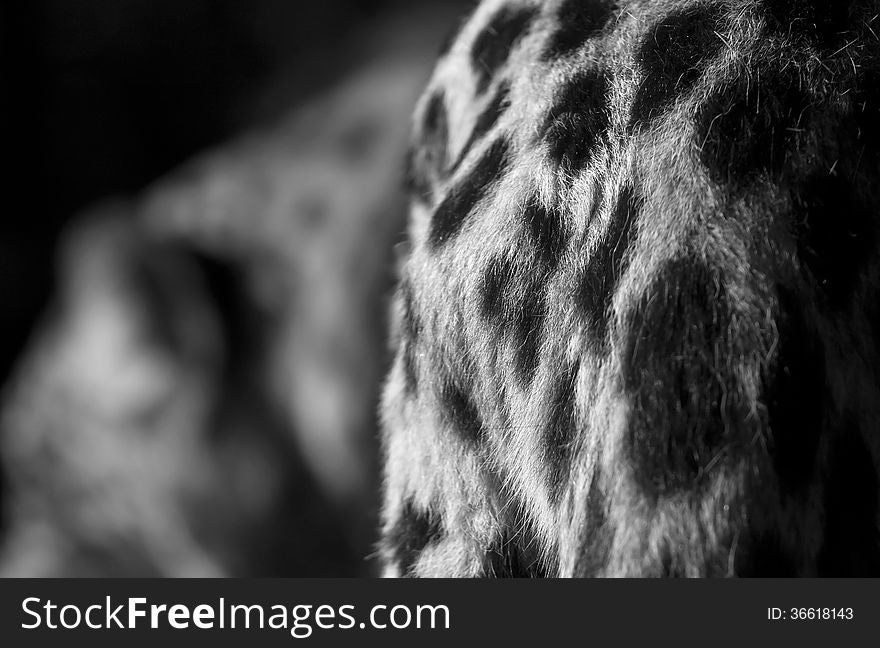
[(515, 554), (461, 412), (595, 541), (492, 47), (514, 559), (528, 324), (515, 300), (461, 200), (578, 21), (574, 126), (673, 57), (410, 333), (823, 21), (435, 132), (751, 127), (607, 265), (496, 282), (685, 408), (428, 161), (560, 433), (547, 231), (411, 534), (487, 119), (852, 540), (795, 397), (415, 180), (835, 233)]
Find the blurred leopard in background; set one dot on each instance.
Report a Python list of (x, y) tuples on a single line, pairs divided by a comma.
[(200, 398), (637, 331)]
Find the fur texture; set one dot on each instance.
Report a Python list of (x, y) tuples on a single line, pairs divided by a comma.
[(637, 330)]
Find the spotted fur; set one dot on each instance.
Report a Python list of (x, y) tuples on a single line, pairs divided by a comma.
[(637, 331)]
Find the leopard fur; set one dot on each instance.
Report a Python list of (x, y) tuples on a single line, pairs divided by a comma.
[(636, 331)]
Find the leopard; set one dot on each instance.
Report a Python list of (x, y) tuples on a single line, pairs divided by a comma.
[(198, 399), (636, 327)]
